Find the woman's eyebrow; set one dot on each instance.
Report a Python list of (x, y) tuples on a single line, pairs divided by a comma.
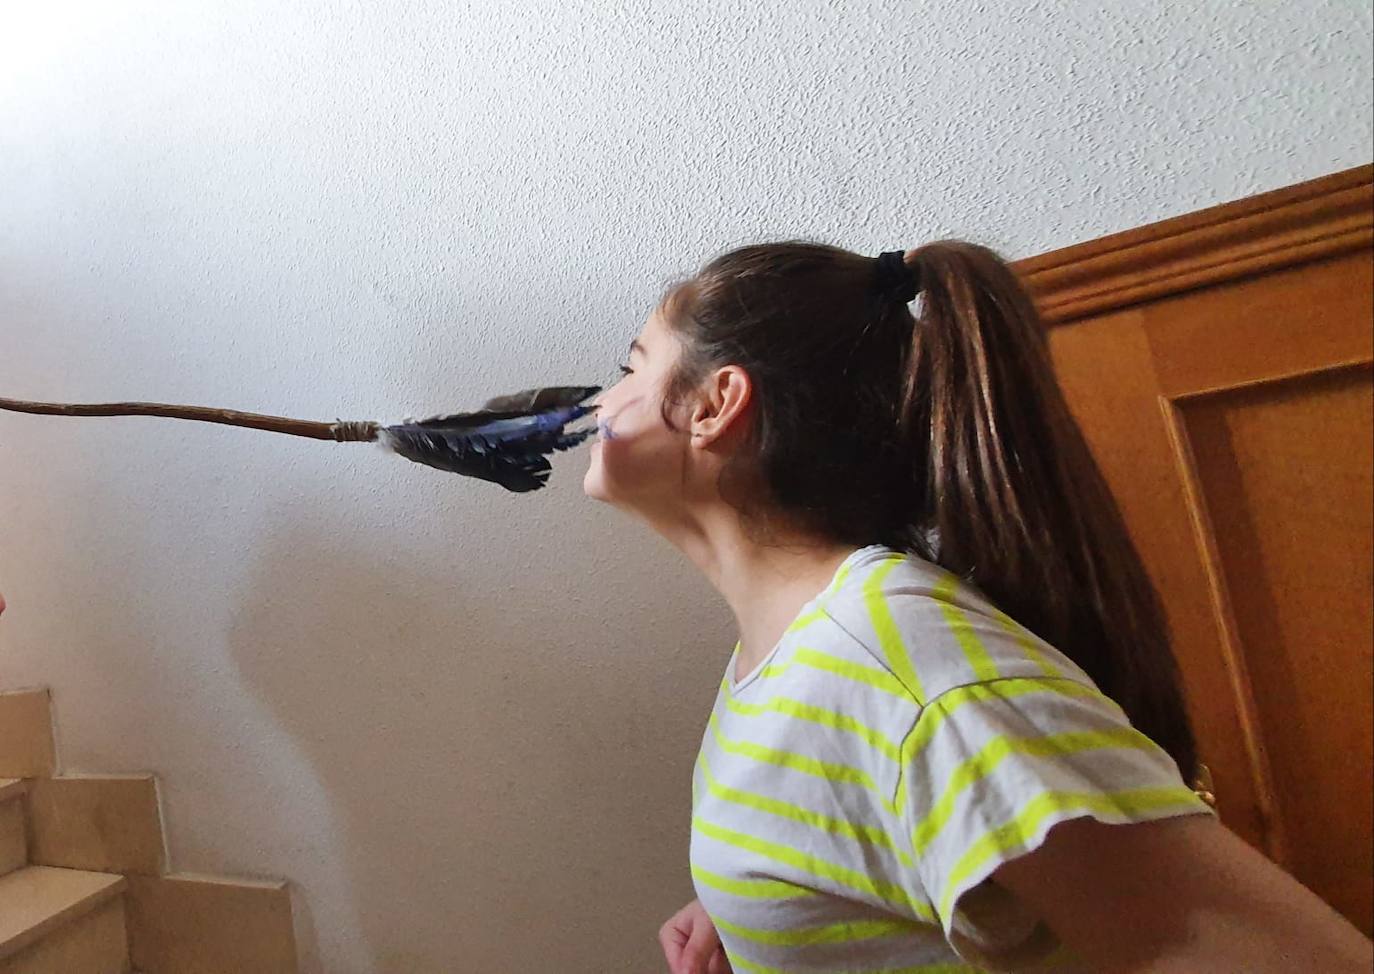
[(636, 347)]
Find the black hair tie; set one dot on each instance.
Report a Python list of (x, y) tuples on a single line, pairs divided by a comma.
[(895, 277)]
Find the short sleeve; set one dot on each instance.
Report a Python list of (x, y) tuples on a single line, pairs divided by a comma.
[(991, 768)]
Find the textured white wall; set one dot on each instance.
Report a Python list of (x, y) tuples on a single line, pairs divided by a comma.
[(462, 720)]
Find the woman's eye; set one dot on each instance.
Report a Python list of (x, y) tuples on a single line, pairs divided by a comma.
[(626, 370)]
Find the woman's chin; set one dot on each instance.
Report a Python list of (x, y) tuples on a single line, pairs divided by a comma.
[(593, 481)]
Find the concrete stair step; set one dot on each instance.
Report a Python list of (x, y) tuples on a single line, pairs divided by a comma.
[(26, 738), (84, 887), (106, 823), (13, 844), (66, 920)]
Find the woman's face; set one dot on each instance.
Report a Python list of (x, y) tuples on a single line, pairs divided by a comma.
[(638, 461)]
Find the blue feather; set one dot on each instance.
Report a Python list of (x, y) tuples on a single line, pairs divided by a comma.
[(506, 442)]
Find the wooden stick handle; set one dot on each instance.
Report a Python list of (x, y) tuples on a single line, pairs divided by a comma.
[(339, 431)]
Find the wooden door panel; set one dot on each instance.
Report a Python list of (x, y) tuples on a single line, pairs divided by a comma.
[(1105, 366), (1284, 471), (1220, 367)]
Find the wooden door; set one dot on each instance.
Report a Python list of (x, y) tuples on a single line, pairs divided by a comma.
[(1220, 366)]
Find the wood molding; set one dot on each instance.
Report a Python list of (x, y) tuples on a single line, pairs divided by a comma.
[(1309, 221), (1272, 835)]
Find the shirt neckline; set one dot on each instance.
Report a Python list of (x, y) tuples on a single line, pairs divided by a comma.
[(840, 575)]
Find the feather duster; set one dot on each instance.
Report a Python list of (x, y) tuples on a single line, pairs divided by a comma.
[(507, 441)]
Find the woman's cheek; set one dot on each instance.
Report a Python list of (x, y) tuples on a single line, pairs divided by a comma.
[(616, 467)]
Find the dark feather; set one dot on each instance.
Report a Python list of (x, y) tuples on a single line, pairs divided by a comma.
[(538, 400), (507, 441)]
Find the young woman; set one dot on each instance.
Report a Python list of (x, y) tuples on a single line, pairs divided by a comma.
[(951, 736)]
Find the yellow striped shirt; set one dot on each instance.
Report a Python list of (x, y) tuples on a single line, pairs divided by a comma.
[(902, 740)]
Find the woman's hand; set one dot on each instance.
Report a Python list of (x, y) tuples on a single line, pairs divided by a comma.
[(691, 944)]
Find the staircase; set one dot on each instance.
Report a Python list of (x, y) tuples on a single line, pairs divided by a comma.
[(84, 886)]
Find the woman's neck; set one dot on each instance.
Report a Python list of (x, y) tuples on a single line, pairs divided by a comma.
[(765, 582)]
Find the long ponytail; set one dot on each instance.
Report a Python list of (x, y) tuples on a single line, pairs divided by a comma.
[(1017, 502)]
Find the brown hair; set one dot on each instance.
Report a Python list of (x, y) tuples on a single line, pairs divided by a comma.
[(944, 434)]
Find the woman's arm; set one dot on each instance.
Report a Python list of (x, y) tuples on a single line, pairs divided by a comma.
[(1179, 895)]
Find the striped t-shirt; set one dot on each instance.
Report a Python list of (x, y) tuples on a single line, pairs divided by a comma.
[(902, 740)]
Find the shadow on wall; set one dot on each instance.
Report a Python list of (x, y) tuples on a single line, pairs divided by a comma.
[(495, 792)]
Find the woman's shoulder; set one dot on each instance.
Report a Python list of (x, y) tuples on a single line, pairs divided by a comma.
[(934, 631)]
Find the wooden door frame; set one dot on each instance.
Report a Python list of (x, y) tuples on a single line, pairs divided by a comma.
[(1310, 221)]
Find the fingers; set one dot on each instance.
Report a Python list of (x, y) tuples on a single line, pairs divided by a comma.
[(690, 943), (700, 948), (672, 940)]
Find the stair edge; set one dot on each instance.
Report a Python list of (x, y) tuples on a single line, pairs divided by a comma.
[(115, 886)]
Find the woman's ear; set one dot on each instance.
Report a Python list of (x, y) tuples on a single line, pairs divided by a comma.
[(725, 397)]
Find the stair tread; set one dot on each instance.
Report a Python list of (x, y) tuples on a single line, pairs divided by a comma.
[(11, 788), (37, 899)]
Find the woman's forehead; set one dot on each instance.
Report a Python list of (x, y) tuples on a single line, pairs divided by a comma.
[(652, 334)]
